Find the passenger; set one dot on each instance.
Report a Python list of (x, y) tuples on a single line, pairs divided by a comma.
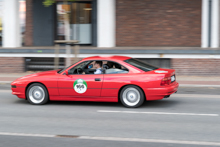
[(118, 66), (98, 65), (110, 64)]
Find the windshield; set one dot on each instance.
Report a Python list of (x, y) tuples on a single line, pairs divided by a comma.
[(141, 65), (60, 71)]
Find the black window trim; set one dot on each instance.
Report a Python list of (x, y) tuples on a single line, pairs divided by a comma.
[(99, 74)]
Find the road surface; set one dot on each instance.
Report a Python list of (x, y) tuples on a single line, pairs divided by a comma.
[(189, 118)]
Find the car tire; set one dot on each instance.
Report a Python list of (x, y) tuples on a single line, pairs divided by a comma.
[(132, 96), (37, 94)]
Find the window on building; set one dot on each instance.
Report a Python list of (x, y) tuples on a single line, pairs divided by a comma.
[(22, 17), (78, 24)]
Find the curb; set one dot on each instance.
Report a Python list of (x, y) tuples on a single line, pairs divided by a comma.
[(5, 82), (195, 96), (197, 85)]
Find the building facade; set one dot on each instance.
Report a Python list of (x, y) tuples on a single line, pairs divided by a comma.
[(190, 27), (116, 23)]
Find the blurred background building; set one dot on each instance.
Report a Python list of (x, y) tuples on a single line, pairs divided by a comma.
[(180, 34)]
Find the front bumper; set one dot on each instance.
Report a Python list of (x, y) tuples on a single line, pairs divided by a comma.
[(19, 94), (19, 91)]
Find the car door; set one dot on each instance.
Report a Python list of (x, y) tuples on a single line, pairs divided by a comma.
[(80, 85), (114, 79)]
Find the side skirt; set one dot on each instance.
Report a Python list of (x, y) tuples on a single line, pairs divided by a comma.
[(93, 99)]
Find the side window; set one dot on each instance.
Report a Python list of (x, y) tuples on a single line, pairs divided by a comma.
[(78, 69), (88, 67), (98, 66), (114, 68)]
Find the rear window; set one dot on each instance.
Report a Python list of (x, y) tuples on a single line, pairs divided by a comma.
[(141, 65)]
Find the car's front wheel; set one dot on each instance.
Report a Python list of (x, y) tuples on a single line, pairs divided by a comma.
[(132, 96), (37, 94)]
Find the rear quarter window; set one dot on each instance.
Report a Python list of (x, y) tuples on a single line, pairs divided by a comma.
[(141, 65)]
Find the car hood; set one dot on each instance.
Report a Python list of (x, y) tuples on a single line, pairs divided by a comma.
[(51, 72), (45, 73)]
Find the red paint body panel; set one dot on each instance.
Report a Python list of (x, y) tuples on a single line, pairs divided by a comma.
[(60, 86), (92, 99), (65, 85)]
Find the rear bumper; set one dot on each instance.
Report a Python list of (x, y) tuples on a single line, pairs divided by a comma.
[(160, 93)]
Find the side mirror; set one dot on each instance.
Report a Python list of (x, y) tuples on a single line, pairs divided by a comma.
[(66, 72)]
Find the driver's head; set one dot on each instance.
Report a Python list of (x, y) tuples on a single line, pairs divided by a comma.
[(98, 64)]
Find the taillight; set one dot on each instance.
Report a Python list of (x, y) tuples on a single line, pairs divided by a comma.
[(165, 81)]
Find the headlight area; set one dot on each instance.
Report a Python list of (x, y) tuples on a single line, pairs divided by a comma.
[(17, 83), (18, 89)]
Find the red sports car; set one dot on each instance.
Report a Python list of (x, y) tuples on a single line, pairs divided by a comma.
[(114, 78)]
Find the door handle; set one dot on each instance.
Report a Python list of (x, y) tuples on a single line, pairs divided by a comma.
[(97, 79)]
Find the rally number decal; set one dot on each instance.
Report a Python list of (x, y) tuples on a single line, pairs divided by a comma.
[(80, 86)]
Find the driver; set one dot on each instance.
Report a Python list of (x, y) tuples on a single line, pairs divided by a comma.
[(98, 65)]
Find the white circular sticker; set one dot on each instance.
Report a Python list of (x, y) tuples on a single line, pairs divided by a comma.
[(80, 86)]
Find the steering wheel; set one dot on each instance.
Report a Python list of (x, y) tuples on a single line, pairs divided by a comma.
[(86, 71), (79, 70)]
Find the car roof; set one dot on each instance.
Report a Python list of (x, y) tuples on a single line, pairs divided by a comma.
[(107, 58)]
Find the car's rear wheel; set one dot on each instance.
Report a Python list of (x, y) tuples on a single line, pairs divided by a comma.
[(132, 96), (37, 94)]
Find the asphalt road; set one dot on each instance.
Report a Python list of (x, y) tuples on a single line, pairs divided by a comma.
[(189, 118)]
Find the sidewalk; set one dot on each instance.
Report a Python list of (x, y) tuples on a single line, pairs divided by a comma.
[(198, 81), (184, 81)]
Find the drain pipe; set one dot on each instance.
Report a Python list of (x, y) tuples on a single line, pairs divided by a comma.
[(209, 22), (214, 43), (206, 29)]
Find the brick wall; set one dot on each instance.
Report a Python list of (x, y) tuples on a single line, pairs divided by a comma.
[(199, 67), (12, 64), (29, 24), (158, 22)]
